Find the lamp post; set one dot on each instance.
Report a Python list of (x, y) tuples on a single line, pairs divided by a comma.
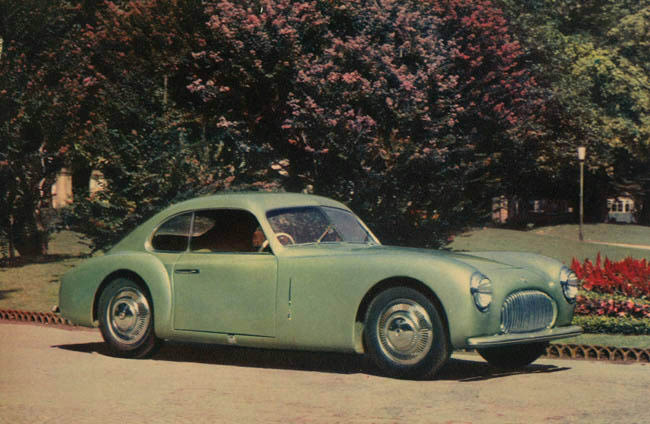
[(582, 153)]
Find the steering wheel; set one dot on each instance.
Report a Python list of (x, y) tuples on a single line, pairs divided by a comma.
[(288, 236)]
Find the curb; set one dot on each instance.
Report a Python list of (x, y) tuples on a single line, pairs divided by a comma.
[(553, 351)]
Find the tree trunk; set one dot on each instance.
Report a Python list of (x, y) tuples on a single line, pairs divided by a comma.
[(294, 183), (32, 245), (29, 229), (30, 234), (12, 245), (81, 182), (644, 214)]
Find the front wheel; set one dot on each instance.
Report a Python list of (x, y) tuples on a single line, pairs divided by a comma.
[(514, 356), (405, 334), (126, 319)]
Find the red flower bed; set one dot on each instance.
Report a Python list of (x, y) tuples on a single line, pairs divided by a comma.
[(611, 308), (629, 277)]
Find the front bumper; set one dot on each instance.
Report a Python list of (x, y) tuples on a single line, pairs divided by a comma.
[(521, 338)]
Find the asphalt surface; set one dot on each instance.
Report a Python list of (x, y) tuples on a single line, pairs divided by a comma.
[(54, 374)]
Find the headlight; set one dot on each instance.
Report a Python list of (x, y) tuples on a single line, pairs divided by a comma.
[(569, 282), (481, 289)]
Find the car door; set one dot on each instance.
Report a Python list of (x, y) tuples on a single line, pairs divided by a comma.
[(223, 284)]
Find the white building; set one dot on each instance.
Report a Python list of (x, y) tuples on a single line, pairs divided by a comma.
[(62, 187), (621, 209)]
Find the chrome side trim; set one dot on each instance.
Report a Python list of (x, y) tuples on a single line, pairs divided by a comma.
[(187, 271)]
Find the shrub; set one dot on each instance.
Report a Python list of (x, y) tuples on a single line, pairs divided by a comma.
[(629, 277), (613, 325)]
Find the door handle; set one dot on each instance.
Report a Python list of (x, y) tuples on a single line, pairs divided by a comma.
[(187, 271)]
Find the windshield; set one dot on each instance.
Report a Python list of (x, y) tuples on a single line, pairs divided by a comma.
[(317, 225)]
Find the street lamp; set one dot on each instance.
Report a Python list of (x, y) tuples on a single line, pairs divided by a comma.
[(582, 153)]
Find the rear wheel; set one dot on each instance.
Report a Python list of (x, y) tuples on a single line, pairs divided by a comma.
[(126, 319), (514, 356), (405, 334)]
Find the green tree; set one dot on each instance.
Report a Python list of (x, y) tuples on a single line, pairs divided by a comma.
[(591, 60)]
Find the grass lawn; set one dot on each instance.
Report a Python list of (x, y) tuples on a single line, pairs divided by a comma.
[(35, 286), (641, 342), (611, 233), (560, 242)]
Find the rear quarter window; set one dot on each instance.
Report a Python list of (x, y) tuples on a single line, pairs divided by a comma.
[(173, 235)]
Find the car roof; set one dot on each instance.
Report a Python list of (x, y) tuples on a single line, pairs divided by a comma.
[(259, 202)]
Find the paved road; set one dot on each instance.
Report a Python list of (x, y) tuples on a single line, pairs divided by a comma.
[(60, 375), (631, 246)]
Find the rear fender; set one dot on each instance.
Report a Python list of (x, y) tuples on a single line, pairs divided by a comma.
[(81, 287)]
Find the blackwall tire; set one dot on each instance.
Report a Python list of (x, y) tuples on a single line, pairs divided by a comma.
[(126, 319), (514, 356), (405, 334)]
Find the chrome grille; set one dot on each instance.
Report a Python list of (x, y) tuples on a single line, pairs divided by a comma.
[(528, 310)]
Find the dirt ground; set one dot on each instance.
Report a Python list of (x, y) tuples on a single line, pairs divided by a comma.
[(50, 374)]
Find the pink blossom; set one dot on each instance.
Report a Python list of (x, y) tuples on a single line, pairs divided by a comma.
[(333, 77), (351, 77), (89, 81)]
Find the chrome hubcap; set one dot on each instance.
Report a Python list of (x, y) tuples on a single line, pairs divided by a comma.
[(129, 315), (405, 331)]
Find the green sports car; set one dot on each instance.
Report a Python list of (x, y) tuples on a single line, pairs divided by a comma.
[(295, 271)]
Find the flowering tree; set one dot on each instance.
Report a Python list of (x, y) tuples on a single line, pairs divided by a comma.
[(397, 107), (36, 113), (152, 142), (403, 109)]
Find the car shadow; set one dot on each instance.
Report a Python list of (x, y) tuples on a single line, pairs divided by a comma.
[(462, 370), (465, 370)]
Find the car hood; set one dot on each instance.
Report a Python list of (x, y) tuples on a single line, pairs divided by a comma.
[(483, 261), (498, 266), (483, 264), (528, 266)]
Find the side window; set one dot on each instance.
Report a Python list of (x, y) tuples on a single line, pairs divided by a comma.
[(173, 235), (226, 230)]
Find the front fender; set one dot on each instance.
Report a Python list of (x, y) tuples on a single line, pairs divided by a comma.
[(321, 292), (524, 260), (81, 287), (448, 280)]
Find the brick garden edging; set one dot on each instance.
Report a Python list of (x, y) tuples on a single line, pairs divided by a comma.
[(559, 351), (36, 317), (600, 353)]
